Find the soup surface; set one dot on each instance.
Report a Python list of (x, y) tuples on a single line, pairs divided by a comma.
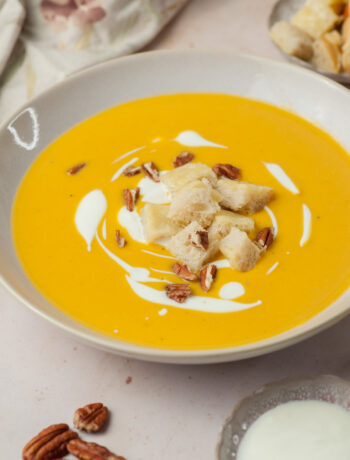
[(64, 226)]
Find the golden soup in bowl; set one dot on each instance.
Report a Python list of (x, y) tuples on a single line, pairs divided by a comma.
[(70, 206)]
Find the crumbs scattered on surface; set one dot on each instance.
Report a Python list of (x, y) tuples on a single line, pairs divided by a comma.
[(147, 318), (116, 331), (163, 312), (128, 380)]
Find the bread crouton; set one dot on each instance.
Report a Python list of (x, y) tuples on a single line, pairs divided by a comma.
[(315, 18), (225, 220), (240, 251), (179, 177), (326, 56), (292, 40), (244, 196), (156, 223), (182, 248), (195, 202)]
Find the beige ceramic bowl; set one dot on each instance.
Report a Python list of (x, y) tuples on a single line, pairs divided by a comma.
[(323, 388), (48, 116)]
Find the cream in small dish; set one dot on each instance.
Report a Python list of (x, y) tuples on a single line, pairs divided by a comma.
[(304, 418)]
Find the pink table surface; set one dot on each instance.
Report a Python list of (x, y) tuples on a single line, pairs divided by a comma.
[(166, 412)]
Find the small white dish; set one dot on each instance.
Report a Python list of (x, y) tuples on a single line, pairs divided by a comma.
[(325, 388)]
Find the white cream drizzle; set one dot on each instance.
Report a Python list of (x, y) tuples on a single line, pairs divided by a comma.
[(222, 263), (162, 271), (306, 225), (127, 154), (158, 255), (89, 214), (193, 139), (280, 175), (231, 290), (163, 312), (104, 229), (153, 192), (121, 170), (133, 224), (163, 241), (271, 269), (136, 273), (273, 220), (198, 303)]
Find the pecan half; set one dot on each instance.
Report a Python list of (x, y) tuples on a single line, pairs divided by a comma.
[(49, 443), (130, 197), (207, 276), (178, 292), (265, 237), (131, 171), (182, 159), (227, 170), (182, 271), (121, 241), (151, 170), (75, 169), (90, 451), (199, 239), (91, 417)]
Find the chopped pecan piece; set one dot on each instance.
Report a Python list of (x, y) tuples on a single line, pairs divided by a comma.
[(265, 237), (151, 170), (132, 171), (91, 417), (121, 241), (49, 443), (207, 276), (182, 159), (227, 170), (91, 451), (182, 271), (178, 292), (75, 169), (199, 239), (130, 197)]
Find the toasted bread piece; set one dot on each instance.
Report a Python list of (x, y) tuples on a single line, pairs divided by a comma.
[(197, 201), (337, 6), (225, 220), (326, 56), (345, 34), (333, 37), (243, 196), (292, 40), (194, 257), (240, 251), (315, 18), (345, 60), (156, 223), (177, 178)]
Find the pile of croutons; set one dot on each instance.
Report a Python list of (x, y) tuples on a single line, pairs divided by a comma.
[(208, 215), (318, 33)]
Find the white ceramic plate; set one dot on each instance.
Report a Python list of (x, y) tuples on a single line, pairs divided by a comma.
[(284, 10), (51, 114)]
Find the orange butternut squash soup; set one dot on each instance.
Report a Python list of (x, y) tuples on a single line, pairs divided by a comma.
[(252, 221)]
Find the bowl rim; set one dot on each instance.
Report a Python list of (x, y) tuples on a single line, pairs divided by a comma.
[(178, 356), (276, 385)]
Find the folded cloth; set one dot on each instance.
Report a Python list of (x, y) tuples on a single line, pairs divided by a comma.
[(43, 41)]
